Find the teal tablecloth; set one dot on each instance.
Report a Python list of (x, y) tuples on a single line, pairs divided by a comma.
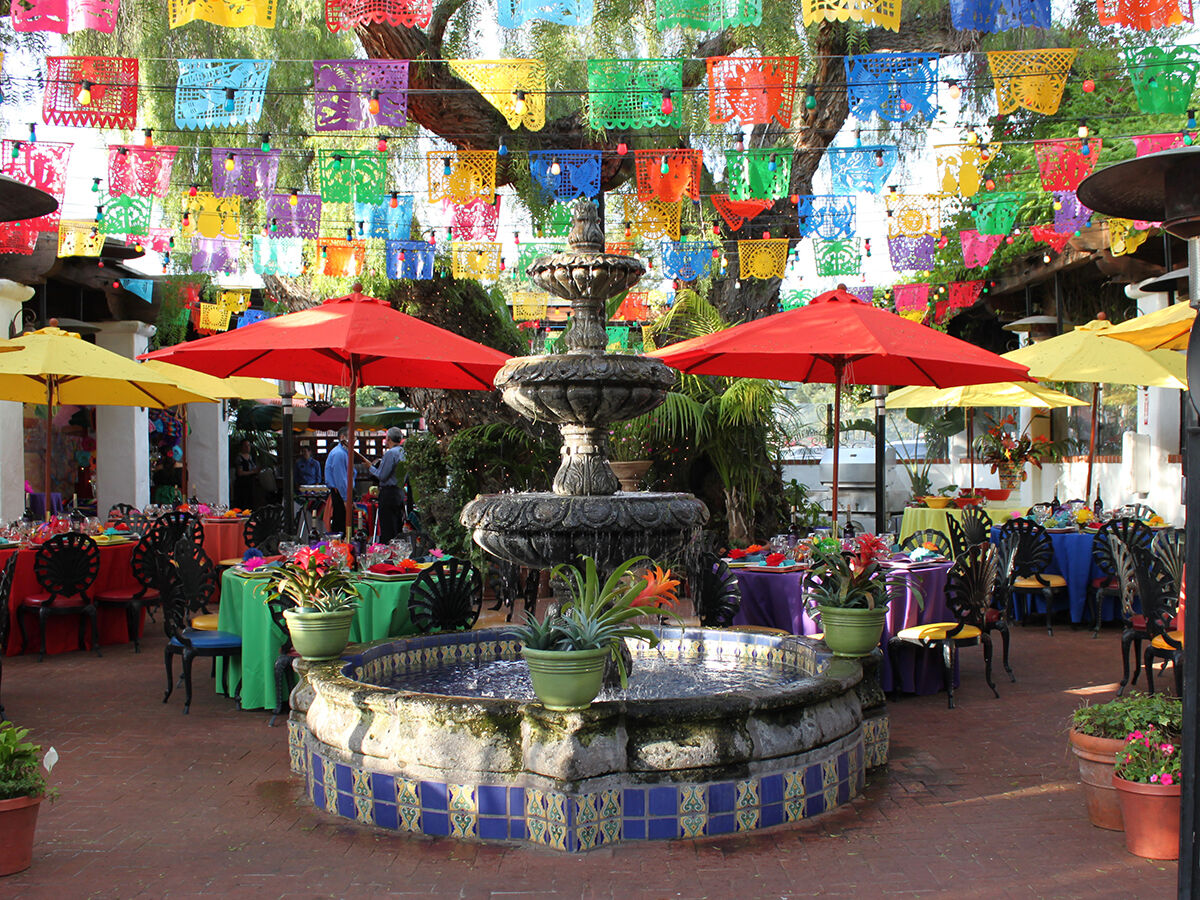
[(382, 613)]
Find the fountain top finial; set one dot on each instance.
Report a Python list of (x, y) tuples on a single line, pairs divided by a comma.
[(586, 235)]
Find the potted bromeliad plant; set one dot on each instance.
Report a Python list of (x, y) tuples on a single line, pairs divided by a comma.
[(1148, 778), (22, 789), (567, 650), (1007, 452), (850, 590), (1098, 733), (323, 600)]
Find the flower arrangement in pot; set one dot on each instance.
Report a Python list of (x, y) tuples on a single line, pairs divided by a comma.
[(1148, 779), (1007, 452), (22, 789), (567, 650), (850, 591), (1098, 733), (321, 600), (629, 451)]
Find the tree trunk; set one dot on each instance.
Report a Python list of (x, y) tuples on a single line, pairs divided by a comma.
[(736, 517)]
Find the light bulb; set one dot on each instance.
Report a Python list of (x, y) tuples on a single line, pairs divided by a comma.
[(1085, 149), (1191, 122), (628, 231), (382, 145), (324, 252), (668, 106), (810, 100), (230, 162), (1082, 130), (373, 103), (350, 233), (716, 228), (337, 164), (555, 168), (96, 185), (274, 224), (879, 159), (665, 168), (1057, 205), (1046, 257), (193, 190), (395, 201), (187, 220), (148, 137), (230, 97), (519, 105), (1088, 85), (85, 93), (293, 198), (445, 165), (972, 137), (771, 164), (503, 150), (33, 132), (953, 89), (265, 143), (622, 148)]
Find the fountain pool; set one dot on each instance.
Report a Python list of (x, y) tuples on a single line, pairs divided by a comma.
[(784, 743)]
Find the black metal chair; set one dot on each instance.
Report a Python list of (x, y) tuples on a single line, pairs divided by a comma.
[(928, 536), (277, 603), (65, 567), (191, 579), (1124, 568), (717, 596), (1160, 603), (6, 582), (509, 581), (169, 528), (264, 529), (149, 571), (1168, 550), (973, 527), (446, 597), (1135, 535), (130, 515), (969, 587), (1026, 555)]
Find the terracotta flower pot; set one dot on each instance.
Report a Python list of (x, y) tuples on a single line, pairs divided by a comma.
[(1097, 756), (1151, 813), (18, 821)]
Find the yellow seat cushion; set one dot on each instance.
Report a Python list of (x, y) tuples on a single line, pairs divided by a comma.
[(819, 636), (1160, 642), (205, 622), (1032, 584), (937, 631)]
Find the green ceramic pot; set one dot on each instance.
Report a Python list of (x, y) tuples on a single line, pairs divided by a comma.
[(566, 679), (319, 635), (852, 632)]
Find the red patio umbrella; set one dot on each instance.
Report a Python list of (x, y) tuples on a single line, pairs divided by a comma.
[(837, 339), (350, 341)]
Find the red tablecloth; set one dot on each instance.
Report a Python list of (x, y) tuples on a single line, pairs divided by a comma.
[(62, 632), (223, 538)]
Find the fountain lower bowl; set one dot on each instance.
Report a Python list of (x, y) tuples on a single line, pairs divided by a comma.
[(540, 530), (621, 770)]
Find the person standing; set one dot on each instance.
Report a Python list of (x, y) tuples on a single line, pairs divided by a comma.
[(391, 497), (335, 479), (308, 467), (245, 471)]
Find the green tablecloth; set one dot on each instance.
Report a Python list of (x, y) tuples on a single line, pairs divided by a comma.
[(382, 613), (917, 518)]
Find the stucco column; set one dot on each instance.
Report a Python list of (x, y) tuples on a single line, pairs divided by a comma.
[(208, 452), (122, 438), (12, 423)]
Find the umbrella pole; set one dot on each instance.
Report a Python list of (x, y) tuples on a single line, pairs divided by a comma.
[(1092, 442), (837, 426), (46, 458), (350, 448), (183, 475), (971, 445)]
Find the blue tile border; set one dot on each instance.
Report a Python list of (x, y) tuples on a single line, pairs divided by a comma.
[(574, 822)]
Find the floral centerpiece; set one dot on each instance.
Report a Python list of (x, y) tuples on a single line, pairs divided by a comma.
[(316, 588), (1007, 452), (850, 590), (568, 648)]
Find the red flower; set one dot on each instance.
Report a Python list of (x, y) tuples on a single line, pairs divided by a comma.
[(775, 559), (735, 553)]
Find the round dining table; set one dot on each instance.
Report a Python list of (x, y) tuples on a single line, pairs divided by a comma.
[(62, 632), (777, 600), (224, 537)]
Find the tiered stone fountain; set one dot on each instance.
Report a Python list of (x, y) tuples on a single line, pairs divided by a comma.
[(728, 732), (584, 391)]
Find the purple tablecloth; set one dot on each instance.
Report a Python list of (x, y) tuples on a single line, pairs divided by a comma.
[(776, 600)]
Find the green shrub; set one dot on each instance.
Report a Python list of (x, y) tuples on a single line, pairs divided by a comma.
[(1135, 712)]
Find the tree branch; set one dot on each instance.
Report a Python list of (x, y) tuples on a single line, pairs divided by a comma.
[(441, 19)]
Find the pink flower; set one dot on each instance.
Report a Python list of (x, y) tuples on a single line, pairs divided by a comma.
[(1166, 778), (1146, 741), (1167, 748), (1154, 779), (1133, 736)]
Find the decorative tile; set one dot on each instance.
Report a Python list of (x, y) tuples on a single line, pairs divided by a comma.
[(407, 792), (747, 819), (793, 809), (793, 785), (692, 825), (747, 794), (364, 809), (462, 823), (362, 783), (692, 800), (410, 818), (589, 836), (610, 804), (461, 797), (610, 831)]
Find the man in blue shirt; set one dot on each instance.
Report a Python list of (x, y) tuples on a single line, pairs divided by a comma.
[(390, 472), (308, 467), (335, 478)]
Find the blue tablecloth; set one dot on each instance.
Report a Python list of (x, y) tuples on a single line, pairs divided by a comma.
[(1073, 561), (776, 600)]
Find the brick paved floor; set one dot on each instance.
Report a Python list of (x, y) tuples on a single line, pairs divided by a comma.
[(980, 801)]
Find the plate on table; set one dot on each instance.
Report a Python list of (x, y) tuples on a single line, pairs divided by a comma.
[(389, 576), (1066, 529), (792, 567), (109, 540), (260, 572)]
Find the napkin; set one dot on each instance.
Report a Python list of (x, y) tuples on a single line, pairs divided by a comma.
[(384, 568)]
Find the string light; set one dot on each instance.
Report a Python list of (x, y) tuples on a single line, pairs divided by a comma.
[(503, 150), (265, 143), (373, 102), (953, 89), (147, 137), (445, 165), (1082, 130), (293, 198), (85, 93), (622, 148), (810, 98), (193, 190), (555, 168), (382, 145), (33, 132), (1191, 120), (230, 97), (668, 106), (230, 162), (395, 201), (1088, 85), (665, 167), (519, 106), (96, 185)]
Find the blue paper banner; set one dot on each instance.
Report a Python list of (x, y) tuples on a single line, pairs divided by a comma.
[(215, 93), (999, 15), (688, 260), (143, 287), (410, 259), (278, 256), (382, 220), (250, 316), (896, 86), (826, 216), (861, 168), (515, 13), (579, 174)]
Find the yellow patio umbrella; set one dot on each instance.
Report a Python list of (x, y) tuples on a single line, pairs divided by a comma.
[(56, 366), (1087, 355), (235, 387), (1164, 329), (971, 396)]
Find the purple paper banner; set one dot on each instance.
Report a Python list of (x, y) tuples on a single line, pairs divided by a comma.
[(216, 255), (252, 176), (348, 89), (912, 252), (302, 220)]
